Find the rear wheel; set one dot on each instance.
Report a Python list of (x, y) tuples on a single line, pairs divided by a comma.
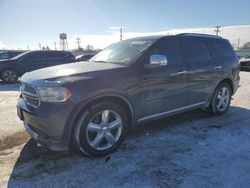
[(9, 76), (101, 129), (221, 99)]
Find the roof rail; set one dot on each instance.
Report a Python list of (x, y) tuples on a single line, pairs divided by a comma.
[(198, 34)]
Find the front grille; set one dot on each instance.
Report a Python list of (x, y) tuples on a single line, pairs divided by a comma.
[(30, 95)]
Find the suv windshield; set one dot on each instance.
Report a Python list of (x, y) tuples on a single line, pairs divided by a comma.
[(20, 55), (122, 52)]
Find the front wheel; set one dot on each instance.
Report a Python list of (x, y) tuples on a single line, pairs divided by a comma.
[(221, 99), (101, 129)]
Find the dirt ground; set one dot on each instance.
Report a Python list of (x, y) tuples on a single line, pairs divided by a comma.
[(193, 149)]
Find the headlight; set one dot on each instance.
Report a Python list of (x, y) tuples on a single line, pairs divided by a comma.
[(53, 94)]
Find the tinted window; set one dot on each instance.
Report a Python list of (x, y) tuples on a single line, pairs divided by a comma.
[(221, 49), (170, 47), (195, 50), (60, 54), (53, 55), (36, 55), (4, 55)]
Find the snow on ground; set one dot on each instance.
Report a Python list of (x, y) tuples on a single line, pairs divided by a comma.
[(193, 149), (11, 129)]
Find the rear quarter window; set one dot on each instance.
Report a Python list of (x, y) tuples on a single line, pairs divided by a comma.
[(221, 49)]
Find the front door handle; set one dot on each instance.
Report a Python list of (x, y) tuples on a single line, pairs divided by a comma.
[(218, 67), (182, 72)]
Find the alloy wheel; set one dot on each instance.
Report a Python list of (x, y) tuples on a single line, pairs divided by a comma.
[(223, 99), (104, 130), (9, 76)]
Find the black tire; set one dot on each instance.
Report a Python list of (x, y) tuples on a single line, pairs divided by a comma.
[(9, 76), (213, 108), (81, 133)]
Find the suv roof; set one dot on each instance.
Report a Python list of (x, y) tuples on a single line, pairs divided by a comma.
[(181, 34), (199, 35)]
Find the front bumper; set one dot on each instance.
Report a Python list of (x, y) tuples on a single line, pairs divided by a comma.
[(46, 125)]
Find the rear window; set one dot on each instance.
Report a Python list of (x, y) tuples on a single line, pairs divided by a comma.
[(221, 50), (195, 50)]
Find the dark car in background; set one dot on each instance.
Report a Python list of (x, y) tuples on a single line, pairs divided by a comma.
[(9, 54), (12, 69), (91, 105), (84, 57), (245, 63)]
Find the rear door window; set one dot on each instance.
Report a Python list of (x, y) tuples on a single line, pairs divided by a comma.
[(36, 56), (195, 50)]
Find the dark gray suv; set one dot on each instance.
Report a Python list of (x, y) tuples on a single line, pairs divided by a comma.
[(91, 105)]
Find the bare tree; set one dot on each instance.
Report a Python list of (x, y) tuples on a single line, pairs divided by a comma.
[(246, 45), (90, 47)]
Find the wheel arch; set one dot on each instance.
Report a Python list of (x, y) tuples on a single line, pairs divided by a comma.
[(229, 81), (121, 100), (225, 80)]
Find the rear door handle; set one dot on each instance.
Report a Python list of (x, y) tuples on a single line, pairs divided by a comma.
[(218, 67), (182, 72)]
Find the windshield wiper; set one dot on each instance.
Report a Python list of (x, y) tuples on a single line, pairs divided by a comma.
[(98, 61)]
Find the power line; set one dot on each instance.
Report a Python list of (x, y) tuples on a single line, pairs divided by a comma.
[(238, 44)]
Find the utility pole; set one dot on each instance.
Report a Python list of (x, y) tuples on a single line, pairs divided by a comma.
[(238, 46), (121, 34), (40, 46), (28, 47), (55, 45), (78, 41), (217, 30)]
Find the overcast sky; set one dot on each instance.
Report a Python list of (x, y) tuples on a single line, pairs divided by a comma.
[(30, 22)]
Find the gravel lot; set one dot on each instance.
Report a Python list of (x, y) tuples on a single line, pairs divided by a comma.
[(193, 149)]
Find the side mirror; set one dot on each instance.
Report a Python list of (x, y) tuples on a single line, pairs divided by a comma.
[(157, 61)]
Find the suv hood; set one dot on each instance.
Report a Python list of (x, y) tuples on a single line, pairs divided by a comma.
[(68, 72)]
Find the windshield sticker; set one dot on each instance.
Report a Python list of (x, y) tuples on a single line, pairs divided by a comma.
[(138, 42)]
